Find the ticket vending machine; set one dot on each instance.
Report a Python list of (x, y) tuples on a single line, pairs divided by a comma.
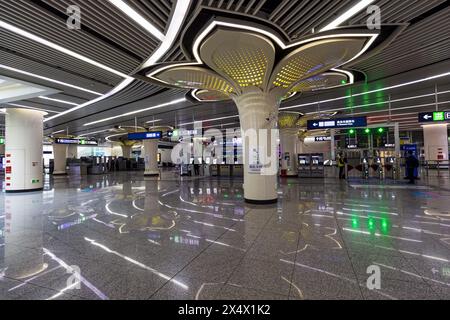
[(317, 166), (304, 165)]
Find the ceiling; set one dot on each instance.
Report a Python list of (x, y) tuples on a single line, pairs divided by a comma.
[(91, 70)]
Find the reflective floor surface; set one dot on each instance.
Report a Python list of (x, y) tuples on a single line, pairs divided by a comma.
[(123, 236)]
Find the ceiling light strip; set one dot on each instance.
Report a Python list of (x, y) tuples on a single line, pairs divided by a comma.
[(368, 92), (58, 100), (138, 111), (32, 108), (208, 120), (48, 79), (57, 47), (347, 15), (121, 86), (136, 17), (174, 27)]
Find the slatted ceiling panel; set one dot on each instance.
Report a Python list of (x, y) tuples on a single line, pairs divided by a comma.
[(51, 57), (419, 45), (174, 54), (12, 60), (252, 7), (32, 18), (47, 104), (107, 20), (318, 15), (66, 97), (156, 11), (399, 11)]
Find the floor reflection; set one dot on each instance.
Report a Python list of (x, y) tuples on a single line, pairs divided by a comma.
[(123, 236)]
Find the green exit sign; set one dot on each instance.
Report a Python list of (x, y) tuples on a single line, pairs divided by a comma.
[(2, 140), (438, 116)]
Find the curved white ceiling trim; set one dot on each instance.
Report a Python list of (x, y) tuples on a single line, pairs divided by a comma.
[(176, 22), (121, 86)]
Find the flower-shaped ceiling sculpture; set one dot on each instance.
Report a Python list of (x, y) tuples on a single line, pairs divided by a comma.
[(234, 59)]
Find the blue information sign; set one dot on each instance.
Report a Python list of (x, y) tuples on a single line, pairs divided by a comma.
[(337, 123), (145, 135)]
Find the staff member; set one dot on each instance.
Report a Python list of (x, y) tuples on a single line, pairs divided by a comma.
[(411, 165)]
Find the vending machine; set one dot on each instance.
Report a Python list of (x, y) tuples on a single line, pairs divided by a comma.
[(317, 166)]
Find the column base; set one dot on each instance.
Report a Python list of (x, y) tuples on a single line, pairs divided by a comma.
[(151, 174), (25, 190), (59, 173), (250, 201)]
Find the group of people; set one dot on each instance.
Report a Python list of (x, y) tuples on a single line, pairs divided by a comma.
[(411, 162)]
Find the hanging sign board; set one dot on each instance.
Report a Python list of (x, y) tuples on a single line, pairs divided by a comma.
[(337, 123)]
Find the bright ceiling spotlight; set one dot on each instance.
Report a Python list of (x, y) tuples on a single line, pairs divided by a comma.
[(347, 15), (57, 47), (58, 100), (137, 111)]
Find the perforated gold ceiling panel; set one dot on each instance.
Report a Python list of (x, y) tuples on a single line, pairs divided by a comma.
[(191, 77), (245, 59), (315, 58), (209, 95), (288, 119), (321, 81)]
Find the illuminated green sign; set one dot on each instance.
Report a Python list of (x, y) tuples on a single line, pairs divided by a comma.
[(438, 116), (2, 140)]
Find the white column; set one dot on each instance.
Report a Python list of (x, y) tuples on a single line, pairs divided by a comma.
[(151, 157), (332, 143), (59, 158), (72, 152), (126, 151), (436, 142), (24, 256), (258, 110), (23, 150), (288, 138)]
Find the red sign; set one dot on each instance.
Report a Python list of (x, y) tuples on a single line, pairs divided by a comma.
[(8, 170)]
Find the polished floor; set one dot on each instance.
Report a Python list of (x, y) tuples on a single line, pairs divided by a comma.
[(123, 236)]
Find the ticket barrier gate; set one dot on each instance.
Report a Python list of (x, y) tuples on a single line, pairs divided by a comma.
[(214, 170), (225, 170), (238, 170), (304, 165)]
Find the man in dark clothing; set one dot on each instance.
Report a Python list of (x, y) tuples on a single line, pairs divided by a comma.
[(411, 164)]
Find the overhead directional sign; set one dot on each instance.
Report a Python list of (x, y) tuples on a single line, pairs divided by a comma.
[(337, 123), (434, 116), (320, 139), (145, 135), (81, 142)]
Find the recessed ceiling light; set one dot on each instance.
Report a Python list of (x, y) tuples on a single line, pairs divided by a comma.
[(48, 79), (55, 46), (138, 111), (58, 100), (153, 121), (94, 132)]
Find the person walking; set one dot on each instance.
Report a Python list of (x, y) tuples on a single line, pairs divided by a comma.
[(411, 165)]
